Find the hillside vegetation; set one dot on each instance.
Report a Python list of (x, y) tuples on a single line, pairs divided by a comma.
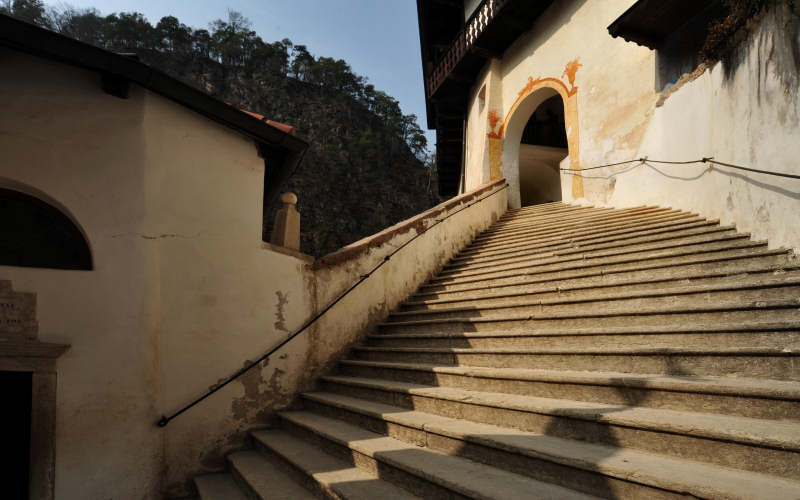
[(367, 165)]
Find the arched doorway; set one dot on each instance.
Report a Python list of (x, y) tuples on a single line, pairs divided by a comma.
[(37, 234), (544, 113), (542, 148)]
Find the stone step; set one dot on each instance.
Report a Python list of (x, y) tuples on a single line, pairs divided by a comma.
[(575, 221), (538, 223), (591, 300), (776, 335), (731, 262), (328, 476), (678, 276), (564, 232), (632, 314), (745, 397), (757, 445), (655, 259), (219, 486), (608, 471), (264, 480), (700, 243), (527, 213), (426, 472), (544, 246), (750, 362), (553, 205)]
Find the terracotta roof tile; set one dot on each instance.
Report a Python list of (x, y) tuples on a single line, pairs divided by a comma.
[(280, 126)]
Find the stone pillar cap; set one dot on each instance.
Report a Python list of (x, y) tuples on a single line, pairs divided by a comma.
[(289, 198)]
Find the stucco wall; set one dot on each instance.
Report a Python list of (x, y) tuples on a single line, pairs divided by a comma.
[(744, 111), (183, 292)]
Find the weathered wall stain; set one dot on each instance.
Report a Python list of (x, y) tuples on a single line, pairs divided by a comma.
[(280, 311), (494, 119), (570, 70)]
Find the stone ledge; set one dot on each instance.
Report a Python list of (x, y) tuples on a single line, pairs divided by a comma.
[(14, 349), (417, 222), (308, 259)]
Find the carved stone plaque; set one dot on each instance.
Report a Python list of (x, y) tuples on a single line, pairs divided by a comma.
[(17, 314)]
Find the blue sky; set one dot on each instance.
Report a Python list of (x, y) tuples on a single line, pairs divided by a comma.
[(378, 38)]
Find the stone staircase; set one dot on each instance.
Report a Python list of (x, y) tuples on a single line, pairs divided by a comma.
[(568, 352)]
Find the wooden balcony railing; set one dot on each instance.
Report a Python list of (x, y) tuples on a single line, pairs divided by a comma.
[(474, 27)]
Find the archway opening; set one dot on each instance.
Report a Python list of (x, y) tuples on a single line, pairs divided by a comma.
[(543, 146), (37, 234)]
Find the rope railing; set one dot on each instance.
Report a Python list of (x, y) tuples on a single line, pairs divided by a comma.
[(166, 419), (711, 160)]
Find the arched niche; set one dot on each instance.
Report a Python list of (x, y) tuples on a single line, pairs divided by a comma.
[(36, 233), (536, 93)]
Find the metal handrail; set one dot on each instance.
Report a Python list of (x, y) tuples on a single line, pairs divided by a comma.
[(164, 420)]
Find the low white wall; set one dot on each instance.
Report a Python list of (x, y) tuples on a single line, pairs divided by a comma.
[(403, 274)]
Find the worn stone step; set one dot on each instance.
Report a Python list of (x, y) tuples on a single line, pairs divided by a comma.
[(538, 223), (504, 224), (608, 471), (263, 480), (757, 445), (588, 301), (784, 336), (576, 223), (220, 486), (327, 475), (539, 249), (631, 314), (655, 258), (572, 242), (527, 213), (426, 472), (733, 262), (531, 216), (659, 279), (553, 205), (699, 243), (750, 362), (746, 397), (565, 231)]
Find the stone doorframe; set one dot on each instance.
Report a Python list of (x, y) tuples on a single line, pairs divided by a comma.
[(505, 133), (21, 350)]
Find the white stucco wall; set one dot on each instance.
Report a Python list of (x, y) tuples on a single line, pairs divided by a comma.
[(749, 117), (613, 98), (183, 292)]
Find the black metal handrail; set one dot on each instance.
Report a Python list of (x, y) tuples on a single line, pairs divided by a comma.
[(688, 162), (164, 420)]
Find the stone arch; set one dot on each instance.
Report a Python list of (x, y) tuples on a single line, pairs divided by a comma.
[(534, 94), (39, 232)]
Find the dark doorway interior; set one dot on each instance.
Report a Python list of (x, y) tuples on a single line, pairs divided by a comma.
[(543, 146), (15, 428)]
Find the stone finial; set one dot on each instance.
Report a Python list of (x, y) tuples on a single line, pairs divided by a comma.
[(286, 231)]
